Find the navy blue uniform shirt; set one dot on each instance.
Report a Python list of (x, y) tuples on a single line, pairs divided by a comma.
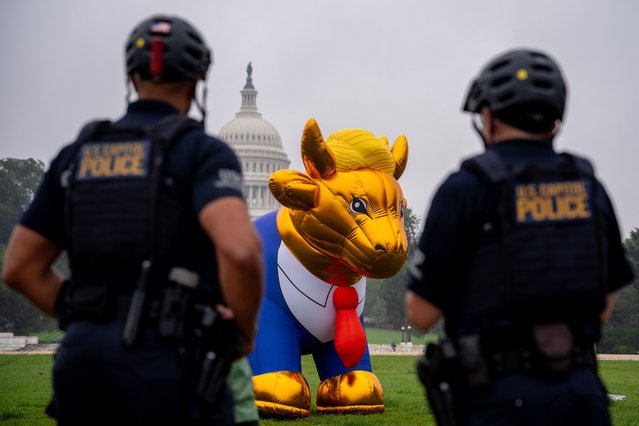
[(458, 211)]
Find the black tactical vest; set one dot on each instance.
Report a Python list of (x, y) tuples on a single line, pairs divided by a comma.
[(540, 254), (121, 208)]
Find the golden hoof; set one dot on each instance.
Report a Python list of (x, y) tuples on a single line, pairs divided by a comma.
[(356, 392), (282, 394)]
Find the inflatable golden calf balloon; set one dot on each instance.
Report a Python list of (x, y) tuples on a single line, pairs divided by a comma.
[(341, 221)]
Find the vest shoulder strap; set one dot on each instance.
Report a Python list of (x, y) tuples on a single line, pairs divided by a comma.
[(583, 165), (170, 128), (488, 165), (91, 129), (493, 168), (165, 131)]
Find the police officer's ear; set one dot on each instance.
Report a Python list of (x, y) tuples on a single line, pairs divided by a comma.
[(134, 79), (193, 87), (487, 125)]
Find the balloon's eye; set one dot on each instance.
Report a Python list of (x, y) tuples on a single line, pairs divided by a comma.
[(358, 206)]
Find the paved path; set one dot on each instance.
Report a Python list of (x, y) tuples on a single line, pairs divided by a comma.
[(374, 350), (618, 357)]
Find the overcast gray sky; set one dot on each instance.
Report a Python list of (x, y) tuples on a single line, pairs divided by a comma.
[(391, 67)]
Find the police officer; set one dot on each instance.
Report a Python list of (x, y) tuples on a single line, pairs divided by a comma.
[(520, 254), (151, 212)]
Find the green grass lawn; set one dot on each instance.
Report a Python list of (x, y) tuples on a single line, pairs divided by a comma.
[(25, 390), (622, 378)]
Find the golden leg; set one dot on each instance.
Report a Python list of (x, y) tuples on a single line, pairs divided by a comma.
[(282, 394), (357, 392)]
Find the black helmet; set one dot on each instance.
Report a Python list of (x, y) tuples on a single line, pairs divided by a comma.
[(167, 48), (523, 88)]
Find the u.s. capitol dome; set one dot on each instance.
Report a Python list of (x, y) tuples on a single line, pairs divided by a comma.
[(259, 148)]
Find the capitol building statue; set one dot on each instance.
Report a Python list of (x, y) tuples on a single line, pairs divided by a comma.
[(259, 148)]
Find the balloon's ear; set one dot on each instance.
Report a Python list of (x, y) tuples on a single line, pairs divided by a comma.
[(293, 189), (318, 159), (400, 155)]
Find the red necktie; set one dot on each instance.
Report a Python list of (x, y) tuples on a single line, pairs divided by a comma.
[(350, 340)]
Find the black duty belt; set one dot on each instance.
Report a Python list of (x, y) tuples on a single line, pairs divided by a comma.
[(502, 362), (108, 307), (551, 352), (120, 304)]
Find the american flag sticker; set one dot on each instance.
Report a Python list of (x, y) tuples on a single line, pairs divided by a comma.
[(161, 27)]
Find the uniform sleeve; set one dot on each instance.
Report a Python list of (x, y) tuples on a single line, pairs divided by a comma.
[(45, 214), (620, 270), (218, 174), (435, 268)]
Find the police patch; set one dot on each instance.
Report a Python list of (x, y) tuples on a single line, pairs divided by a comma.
[(114, 160), (415, 263), (228, 178), (552, 201)]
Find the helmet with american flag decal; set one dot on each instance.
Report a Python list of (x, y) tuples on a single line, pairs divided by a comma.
[(167, 49)]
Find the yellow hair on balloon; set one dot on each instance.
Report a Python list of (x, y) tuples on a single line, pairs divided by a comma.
[(360, 149)]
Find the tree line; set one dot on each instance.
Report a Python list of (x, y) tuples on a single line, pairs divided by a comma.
[(621, 334), (19, 179)]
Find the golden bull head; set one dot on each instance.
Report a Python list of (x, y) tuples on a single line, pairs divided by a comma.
[(344, 217)]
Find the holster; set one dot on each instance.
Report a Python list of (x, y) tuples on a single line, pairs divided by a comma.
[(177, 305), (173, 313), (219, 343), (474, 363), (440, 372)]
